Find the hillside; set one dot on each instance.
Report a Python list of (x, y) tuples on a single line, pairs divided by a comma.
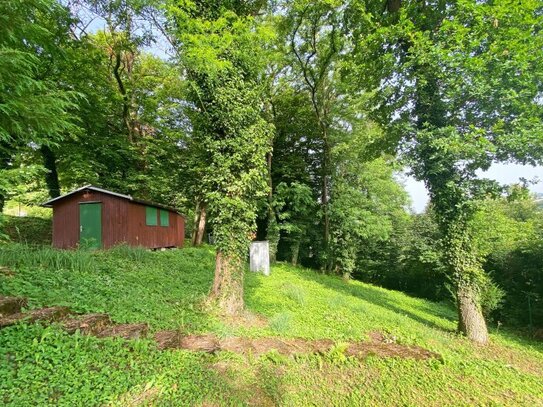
[(45, 365)]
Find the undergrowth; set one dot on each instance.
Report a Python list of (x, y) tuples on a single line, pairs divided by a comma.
[(131, 284), (45, 366), (28, 229)]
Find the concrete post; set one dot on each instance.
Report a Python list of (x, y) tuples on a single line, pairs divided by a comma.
[(260, 257)]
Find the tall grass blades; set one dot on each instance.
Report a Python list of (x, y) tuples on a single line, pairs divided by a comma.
[(27, 256), (133, 253)]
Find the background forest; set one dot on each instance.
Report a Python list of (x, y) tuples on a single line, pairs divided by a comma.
[(292, 120)]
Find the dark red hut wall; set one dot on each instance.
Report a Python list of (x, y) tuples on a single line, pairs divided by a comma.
[(66, 219), (123, 221), (154, 236)]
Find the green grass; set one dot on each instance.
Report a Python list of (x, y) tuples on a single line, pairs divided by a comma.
[(45, 366), (130, 284)]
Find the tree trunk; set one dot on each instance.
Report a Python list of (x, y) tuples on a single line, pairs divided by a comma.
[(51, 177), (295, 248), (467, 273), (272, 229), (227, 291), (201, 227), (470, 317), (195, 224), (393, 5), (324, 197), (4, 165)]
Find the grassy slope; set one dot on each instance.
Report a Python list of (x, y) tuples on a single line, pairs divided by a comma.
[(43, 365), (33, 229)]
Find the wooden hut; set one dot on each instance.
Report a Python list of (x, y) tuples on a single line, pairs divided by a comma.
[(98, 218)]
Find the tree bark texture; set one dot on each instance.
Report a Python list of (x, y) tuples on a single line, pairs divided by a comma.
[(51, 177), (201, 227), (227, 291), (471, 321), (196, 221), (467, 272)]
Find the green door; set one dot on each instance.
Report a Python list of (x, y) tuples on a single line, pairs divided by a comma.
[(90, 225)]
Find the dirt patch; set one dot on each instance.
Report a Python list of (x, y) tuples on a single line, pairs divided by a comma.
[(376, 337), (90, 324), (11, 305), (49, 314), (6, 271), (246, 320), (176, 340), (101, 326), (289, 347), (386, 350), (125, 331)]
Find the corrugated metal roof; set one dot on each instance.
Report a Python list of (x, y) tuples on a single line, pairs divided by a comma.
[(89, 187)]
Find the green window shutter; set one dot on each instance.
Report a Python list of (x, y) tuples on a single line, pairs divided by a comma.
[(164, 218), (150, 216)]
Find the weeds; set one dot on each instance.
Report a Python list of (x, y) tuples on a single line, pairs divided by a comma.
[(28, 256), (295, 293)]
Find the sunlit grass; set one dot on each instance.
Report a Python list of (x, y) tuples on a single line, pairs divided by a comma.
[(45, 366)]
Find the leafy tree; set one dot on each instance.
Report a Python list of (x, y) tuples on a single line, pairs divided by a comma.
[(315, 41), (414, 254), (218, 43), (132, 135), (458, 84), (32, 108), (507, 234), (365, 202), (293, 170), (296, 208)]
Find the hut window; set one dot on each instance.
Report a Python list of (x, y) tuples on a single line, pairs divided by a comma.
[(150, 216), (164, 218)]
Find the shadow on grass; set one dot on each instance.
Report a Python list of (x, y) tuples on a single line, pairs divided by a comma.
[(411, 307), (422, 311)]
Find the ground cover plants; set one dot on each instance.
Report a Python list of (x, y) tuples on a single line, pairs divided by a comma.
[(43, 364)]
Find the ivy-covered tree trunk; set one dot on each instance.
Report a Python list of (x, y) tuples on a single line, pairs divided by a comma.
[(223, 66), (451, 203), (272, 227), (51, 177), (195, 222), (227, 291), (325, 194), (467, 275), (273, 235)]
